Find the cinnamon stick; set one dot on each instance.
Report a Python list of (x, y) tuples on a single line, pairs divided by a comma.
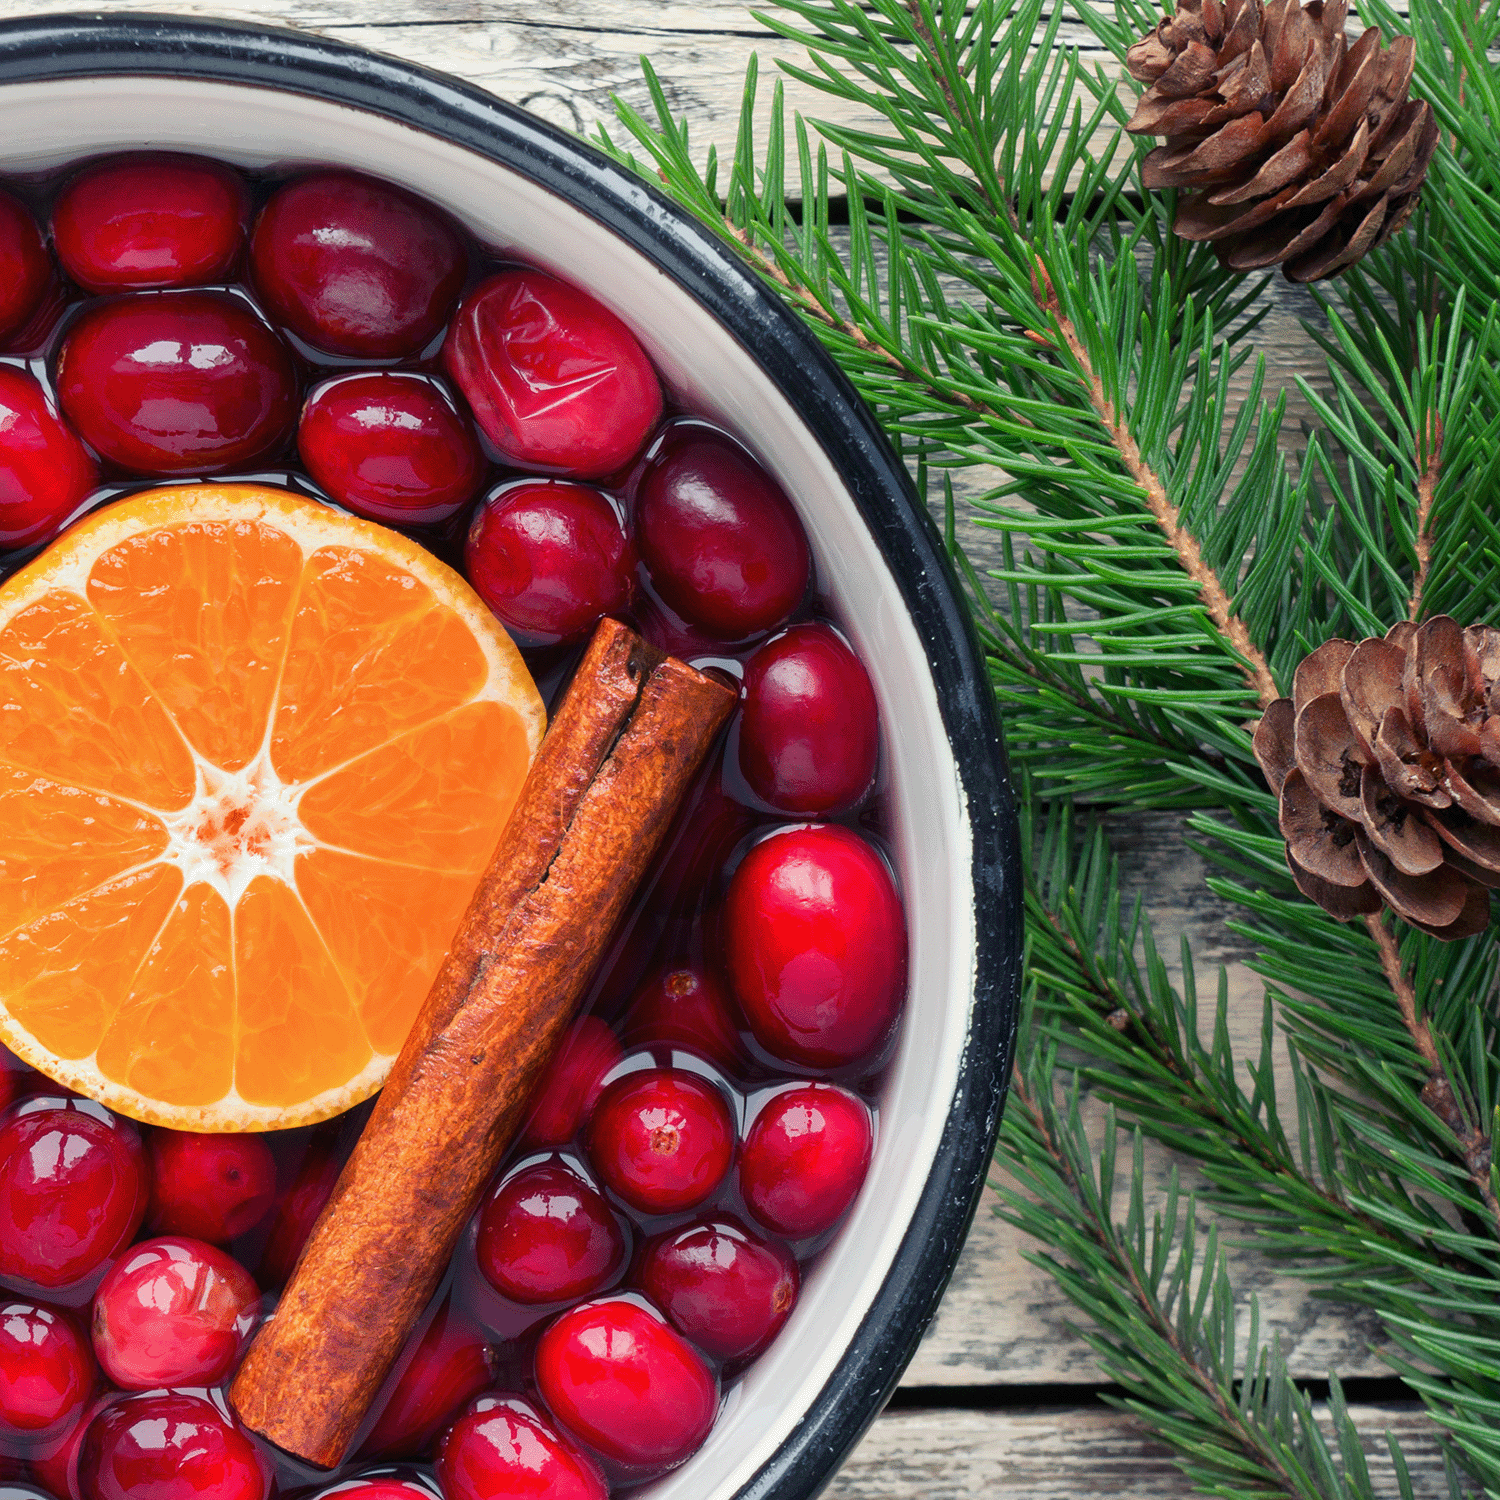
[(629, 736)]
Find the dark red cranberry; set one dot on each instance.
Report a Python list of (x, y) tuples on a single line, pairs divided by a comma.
[(47, 1371), (25, 269), (722, 1287), (210, 1187), (546, 1236), (56, 1467), (557, 381), (723, 545), (169, 1446), (501, 1449), (45, 472), (572, 1084), (686, 1006), (662, 1139), (549, 558), (72, 1191), (805, 1156), (18, 1079), (809, 728), (151, 220), (177, 382), (619, 1378), (815, 946), (296, 1214), (356, 266), (390, 445), (173, 1311)]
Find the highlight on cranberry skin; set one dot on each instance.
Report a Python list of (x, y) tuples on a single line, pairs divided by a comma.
[(45, 472), (686, 1006), (151, 220), (501, 1447), (25, 267), (620, 1379), (556, 380), (572, 1084), (209, 1187), (47, 1372), (357, 266)]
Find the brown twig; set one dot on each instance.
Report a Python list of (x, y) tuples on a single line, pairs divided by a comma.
[(1427, 481)]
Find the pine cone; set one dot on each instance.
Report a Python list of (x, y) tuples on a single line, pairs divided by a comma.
[(1301, 150), (1387, 761)]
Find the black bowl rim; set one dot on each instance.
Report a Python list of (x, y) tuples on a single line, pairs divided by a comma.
[(48, 48)]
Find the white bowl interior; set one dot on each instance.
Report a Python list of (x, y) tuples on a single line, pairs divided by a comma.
[(51, 123)]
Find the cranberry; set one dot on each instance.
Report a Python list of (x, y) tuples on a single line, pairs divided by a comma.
[(177, 382), (686, 1006), (500, 1449), (557, 381), (450, 1365), (154, 219), (18, 1079), (356, 266), (549, 558), (170, 1445), (72, 1191), (721, 1286), (297, 1213), (805, 1157), (57, 1466), (546, 1236), (572, 1084), (816, 946), (25, 270), (809, 728), (46, 1371), (618, 1377), (723, 545), (212, 1187), (381, 1485), (45, 472), (662, 1139)]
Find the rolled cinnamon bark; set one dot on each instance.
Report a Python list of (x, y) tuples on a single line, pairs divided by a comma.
[(631, 732)]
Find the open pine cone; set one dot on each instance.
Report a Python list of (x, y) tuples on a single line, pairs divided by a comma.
[(1298, 148), (1387, 761)]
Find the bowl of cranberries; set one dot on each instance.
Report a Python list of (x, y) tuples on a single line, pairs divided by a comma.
[(234, 254)]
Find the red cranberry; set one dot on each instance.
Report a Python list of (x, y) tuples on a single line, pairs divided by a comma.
[(723, 545), (722, 1287), (356, 266), (56, 1467), (177, 382), (296, 1214), (211, 1187), (18, 1079), (450, 1365), (546, 1236), (572, 1084), (151, 220), (618, 1377), (72, 1191), (46, 1371), (25, 269), (805, 1157), (500, 1449), (686, 1006), (549, 558), (809, 728), (45, 472), (557, 381), (390, 445), (815, 945), (662, 1139), (169, 1446)]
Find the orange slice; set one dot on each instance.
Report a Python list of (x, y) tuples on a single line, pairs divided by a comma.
[(254, 756)]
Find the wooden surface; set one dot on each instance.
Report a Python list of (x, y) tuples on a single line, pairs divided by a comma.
[(1002, 1331)]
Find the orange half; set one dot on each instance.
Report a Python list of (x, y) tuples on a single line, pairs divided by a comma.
[(254, 757)]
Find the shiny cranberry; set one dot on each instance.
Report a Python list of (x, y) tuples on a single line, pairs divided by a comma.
[(150, 220), (211, 1187), (46, 1371), (450, 1365), (390, 445), (169, 1446), (809, 728), (177, 382), (72, 1191), (500, 1449), (382, 1485), (723, 545), (662, 1139), (557, 381), (45, 472), (549, 558), (686, 1006), (805, 1156), (25, 269), (618, 1377), (296, 1213), (356, 266), (815, 945), (546, 1236), (572, 1084), (56, 1467), (722, 1287)]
